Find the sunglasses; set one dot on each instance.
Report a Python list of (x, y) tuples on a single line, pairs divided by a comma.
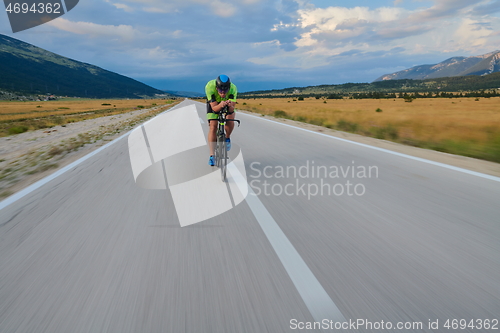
[(222, 91)]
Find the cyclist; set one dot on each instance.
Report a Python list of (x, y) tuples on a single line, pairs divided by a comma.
[(220, 92)]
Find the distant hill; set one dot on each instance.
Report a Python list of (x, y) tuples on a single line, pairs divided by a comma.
[(447, 84), (190, 94), (457, 66), (27, 69)]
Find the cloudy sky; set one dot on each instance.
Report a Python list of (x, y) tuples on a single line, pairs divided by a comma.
[(266, 44)]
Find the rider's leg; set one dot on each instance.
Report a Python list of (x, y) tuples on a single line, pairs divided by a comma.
[(212, 135)]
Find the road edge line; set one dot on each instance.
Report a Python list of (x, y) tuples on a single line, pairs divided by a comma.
[(443, 165), (27, 190), (315, 297)]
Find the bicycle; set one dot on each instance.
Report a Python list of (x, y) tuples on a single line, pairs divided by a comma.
[(220, 155)]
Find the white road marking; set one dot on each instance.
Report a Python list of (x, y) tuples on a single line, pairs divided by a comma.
[(312, 292), (447, 166), (18, 195)]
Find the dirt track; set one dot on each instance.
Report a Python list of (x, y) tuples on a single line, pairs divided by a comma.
[(30, 156)]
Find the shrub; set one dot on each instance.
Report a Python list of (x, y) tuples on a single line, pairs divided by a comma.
[(392, 132), (347, 126), (378, 110), (55, 151), (17, 130), (301, 98), (40, 124), (58, 120), (280, 114), (388, 131), (317, 121), (140, 106), (105, 104), (408, 99)]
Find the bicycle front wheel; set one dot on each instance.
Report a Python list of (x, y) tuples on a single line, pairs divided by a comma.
[(223, 157), (216, 154)]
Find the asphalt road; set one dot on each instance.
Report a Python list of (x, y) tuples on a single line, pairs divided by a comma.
[(397, 241)]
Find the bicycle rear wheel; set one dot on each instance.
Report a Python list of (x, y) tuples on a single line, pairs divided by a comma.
[(223, 157)]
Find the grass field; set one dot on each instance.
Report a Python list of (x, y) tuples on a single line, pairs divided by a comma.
[(463, 126), (17, 117)]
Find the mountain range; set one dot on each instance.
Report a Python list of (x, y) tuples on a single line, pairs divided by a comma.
[(189, 94), (466, 84), (27, 69), (456, 66)]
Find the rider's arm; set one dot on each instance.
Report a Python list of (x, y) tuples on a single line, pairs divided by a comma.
[(217, 107), (231, 105), (210, 92), (233, 92)]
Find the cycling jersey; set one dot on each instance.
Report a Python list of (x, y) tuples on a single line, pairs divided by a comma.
[(213, 96)]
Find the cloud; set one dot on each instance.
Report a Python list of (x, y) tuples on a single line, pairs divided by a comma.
[(393, 33), (221, 8), (329, 18), (123, 6), (472, 34), (123, 32), (486, 8), (334, 26), (276, 41), (442, 9)]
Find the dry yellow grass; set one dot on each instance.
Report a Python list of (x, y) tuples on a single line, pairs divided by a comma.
[(22, 110), (16, 117), (460, 125)]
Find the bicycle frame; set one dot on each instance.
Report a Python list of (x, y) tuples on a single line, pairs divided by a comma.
[(221, 146)]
